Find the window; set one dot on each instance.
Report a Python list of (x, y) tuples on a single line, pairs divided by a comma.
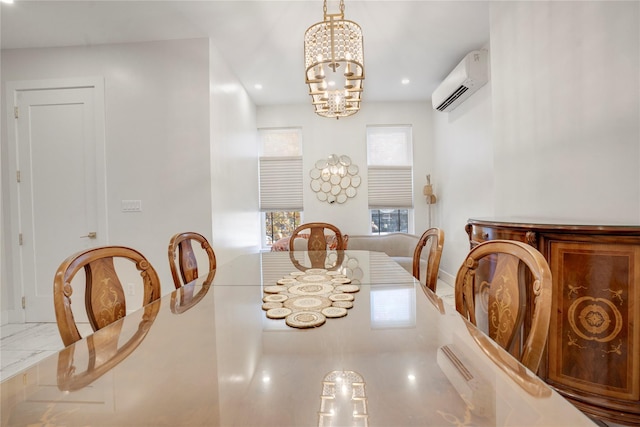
[(280, 182), (390, 169)]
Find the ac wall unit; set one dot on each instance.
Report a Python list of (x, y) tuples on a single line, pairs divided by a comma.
[(468, 76)]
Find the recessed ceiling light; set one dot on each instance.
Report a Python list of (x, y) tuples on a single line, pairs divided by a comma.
[(257, 86), (405, 81)]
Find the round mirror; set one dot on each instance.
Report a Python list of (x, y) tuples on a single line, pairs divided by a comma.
[(335, 179), (321, 164), (355, 181), (345, 182), (352, 169), (345, 160), (315, 173), (322, 196), (333, 160), (350, 192), (331, 198), (335, 190), (316, 185), (326, 187), (341, 198)]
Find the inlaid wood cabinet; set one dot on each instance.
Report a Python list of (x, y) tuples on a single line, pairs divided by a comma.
[(593, 350)]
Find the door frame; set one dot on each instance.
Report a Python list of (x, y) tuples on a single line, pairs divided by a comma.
[(16, 313)]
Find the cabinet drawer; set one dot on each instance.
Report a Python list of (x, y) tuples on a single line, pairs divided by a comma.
[(481, 234)]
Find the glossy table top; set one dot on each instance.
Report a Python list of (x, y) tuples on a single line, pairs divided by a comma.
[(208, 355)]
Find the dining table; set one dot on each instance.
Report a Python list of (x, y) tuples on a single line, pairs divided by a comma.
[(267, 340)]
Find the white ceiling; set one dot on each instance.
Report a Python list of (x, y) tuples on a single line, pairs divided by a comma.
[(421, 40)]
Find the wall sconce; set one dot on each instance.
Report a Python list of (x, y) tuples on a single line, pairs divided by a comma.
[(335, 179)]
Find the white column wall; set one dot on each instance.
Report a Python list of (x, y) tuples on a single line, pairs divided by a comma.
[(234, 164)]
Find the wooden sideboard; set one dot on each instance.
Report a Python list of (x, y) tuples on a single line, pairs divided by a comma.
[(593, 350)]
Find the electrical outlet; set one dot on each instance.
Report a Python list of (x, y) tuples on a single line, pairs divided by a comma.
[(131, 290)]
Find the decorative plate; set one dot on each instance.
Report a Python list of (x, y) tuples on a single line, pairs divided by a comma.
[(286, 281), (341, 280), (310, 289), (270, 305), (278, 313), (341, 297), (275, 298), (307, 303), (343, 304), (316, 271), (274, 289), (334, 312), (305, 319), (347, 288)]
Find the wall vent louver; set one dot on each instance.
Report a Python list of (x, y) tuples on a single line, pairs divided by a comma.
[(455, 95), (465, 79)]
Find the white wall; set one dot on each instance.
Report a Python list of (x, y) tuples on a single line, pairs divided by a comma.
[(463, 154), (566, 109), (234, 164), (556, 132), (157, 138), (322, 137)]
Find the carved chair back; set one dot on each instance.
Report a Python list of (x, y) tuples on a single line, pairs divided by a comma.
[(491, 292), (104, 295), (320, 236), (185, 268), (434, 238)]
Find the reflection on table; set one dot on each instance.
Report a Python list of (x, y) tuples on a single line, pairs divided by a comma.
[(401, 357)]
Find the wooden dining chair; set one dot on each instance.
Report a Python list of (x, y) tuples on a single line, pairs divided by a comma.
[(434, 238), (185, 268), (491, 292), (104, 294), (319, 237)]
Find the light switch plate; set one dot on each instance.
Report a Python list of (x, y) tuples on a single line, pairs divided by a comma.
[(131, 205)]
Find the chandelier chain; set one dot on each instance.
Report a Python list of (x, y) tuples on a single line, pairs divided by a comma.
[(325, 9)]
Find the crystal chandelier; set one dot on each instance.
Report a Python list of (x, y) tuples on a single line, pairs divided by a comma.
[(334, 62)]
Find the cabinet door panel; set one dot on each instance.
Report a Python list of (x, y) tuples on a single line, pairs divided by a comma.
[(593, 346)]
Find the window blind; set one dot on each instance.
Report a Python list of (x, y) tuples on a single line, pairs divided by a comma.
[(281, 183), (390, 187)]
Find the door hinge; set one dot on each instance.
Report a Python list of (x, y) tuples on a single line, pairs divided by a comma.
[(16, 112), (18, 176), (20, 239), (24, 302)]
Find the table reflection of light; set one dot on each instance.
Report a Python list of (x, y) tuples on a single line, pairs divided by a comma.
[(343, 401), (393, 306)]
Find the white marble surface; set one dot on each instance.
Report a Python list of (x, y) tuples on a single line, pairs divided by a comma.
[(24, 344)]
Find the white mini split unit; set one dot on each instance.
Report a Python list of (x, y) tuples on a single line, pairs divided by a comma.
[(468, 76)]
